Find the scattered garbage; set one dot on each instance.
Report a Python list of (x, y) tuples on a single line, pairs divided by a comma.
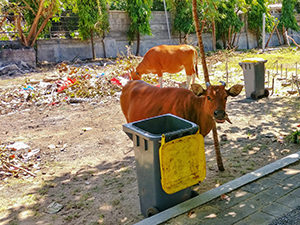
[(54, 207), (17, 146), (71, 84), (67, 84), (87, 128), (18, 159)]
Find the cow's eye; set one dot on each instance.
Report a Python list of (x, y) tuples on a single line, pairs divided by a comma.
[(209, 98)]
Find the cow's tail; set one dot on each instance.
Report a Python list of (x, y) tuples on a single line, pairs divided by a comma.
[(196, 66)]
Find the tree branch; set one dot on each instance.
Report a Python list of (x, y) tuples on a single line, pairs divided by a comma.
[(20, 31), (44, 23), (36, 21), (28, 6)]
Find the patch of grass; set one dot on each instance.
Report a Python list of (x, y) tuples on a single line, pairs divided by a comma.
[(69, 218), (85, 196), (236, 164), (13, 223), (75, 191), (43, 191), (115, 202), (93, 223), (248, 147), (96, 189), (263, 147)]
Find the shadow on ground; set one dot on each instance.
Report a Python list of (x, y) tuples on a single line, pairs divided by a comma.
[(91, 195)]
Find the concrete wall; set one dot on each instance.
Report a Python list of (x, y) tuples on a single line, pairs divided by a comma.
[(57, 50), (27, 55)]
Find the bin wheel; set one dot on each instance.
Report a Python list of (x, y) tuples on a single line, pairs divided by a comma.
[(152, 211), (194, 193), (266, 93), (253, 96)]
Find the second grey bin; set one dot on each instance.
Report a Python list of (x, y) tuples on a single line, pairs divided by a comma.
[(254, 77), (146, 136)]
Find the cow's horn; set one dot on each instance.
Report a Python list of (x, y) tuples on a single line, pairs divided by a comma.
[(207, 84), (223, 83)]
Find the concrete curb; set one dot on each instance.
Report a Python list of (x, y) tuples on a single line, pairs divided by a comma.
[(216, 192)]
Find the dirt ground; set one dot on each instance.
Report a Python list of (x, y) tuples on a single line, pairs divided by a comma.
[(88, 166)]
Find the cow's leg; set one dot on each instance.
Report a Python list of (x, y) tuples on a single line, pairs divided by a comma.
[(188, 81), (189, 73), (193, 80), (160, 79)]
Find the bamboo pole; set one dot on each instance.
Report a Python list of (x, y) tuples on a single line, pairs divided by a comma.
[(206, 77)]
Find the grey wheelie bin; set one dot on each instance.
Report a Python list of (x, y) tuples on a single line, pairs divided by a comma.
[(254, 77), (146, 136)]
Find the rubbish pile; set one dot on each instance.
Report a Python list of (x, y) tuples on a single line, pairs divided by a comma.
[(67, 83), (71, 84)]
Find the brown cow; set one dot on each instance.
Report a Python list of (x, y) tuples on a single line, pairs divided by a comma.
[(140, 100), (168, 58)]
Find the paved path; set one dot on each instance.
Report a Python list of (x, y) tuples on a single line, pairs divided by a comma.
[(270, 195)]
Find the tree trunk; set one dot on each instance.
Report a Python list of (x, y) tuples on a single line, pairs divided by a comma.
[(206, 77), (284, 36), (103, 45), (214, 42), (138, 44), (92, 42), (246, 30), (180, 39)]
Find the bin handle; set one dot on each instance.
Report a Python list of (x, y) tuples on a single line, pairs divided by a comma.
[(163, 137)]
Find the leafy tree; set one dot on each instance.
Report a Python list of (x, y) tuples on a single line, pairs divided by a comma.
[(93, 18), (288, 18), (256, 8), (158, 5), (36, 14), (139, 12), (297, 6), (181, 11), (228, 23), (118, 5)]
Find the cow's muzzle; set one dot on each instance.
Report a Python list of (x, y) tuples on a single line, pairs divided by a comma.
[(221, 116)]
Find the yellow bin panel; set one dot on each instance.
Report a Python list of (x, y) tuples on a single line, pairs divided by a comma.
[(182, 162)]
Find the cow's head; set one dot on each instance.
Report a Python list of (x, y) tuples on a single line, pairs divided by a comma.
[(215, 99)]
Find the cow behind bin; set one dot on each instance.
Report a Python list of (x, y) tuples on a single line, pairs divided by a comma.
[(140, 100)]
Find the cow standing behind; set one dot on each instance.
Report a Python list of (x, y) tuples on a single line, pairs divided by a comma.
[(171, 59), (140, 100)]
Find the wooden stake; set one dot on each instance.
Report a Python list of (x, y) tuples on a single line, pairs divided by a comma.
[(205, 73)]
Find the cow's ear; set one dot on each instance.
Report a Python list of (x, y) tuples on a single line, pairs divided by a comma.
[(235, 90), (197, 89)]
